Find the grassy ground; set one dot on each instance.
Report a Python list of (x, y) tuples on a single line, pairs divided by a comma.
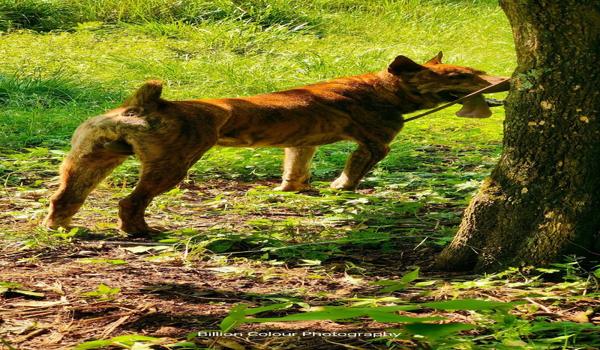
[(231, 240)]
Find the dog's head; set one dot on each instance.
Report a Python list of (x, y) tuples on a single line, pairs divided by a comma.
[(440, 82)]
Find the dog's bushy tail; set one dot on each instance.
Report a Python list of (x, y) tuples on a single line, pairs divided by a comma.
[(146, 97)]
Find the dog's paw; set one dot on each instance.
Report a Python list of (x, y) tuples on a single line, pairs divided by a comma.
[(53, 222), (343, 185), (140, 230)]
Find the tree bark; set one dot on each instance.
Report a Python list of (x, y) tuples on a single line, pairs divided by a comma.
[(542, 199)]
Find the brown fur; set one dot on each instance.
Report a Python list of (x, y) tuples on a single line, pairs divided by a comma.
[(168, 137)]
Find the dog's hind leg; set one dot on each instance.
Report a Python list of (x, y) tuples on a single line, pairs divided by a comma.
[(83, 168), (159, 174), (361, 161), (156, 178), (296, 168)]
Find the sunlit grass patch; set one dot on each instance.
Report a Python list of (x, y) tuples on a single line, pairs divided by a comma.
[(49, 15), (36, 91), (37, 15)]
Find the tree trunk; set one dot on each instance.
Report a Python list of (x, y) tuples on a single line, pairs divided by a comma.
[(542, 200)]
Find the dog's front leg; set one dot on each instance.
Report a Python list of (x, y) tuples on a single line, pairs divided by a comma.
[(361, 161), (296, 168)]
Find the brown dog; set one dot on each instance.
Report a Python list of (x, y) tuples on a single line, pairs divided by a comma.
[(168, 137)]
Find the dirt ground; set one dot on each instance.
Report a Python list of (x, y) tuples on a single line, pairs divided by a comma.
[(166, 300), (171, 291)]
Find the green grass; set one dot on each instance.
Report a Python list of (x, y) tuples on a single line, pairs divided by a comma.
[(48, 15)]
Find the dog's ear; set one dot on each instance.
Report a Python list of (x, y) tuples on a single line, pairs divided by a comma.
[(403, 64), (437, 59)]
